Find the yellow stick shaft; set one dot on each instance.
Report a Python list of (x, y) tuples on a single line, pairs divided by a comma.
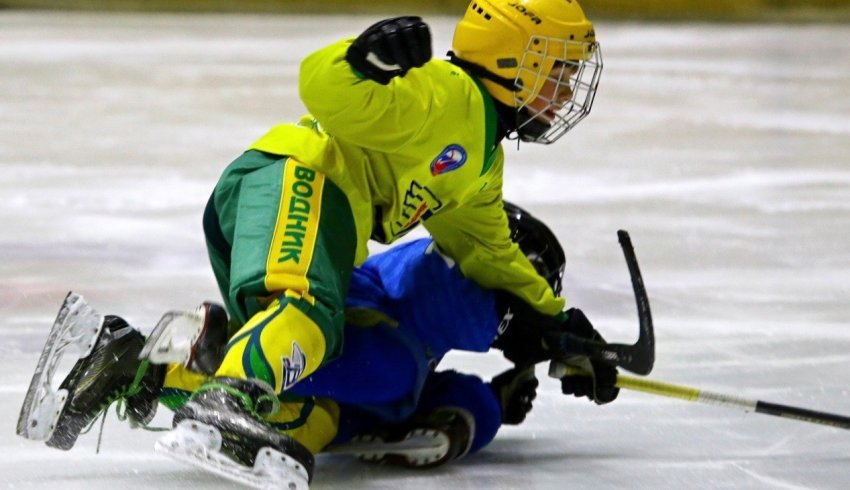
[(559, 370), (657, 388)]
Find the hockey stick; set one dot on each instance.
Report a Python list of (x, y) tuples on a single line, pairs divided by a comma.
[(640, 356), (558, 370)]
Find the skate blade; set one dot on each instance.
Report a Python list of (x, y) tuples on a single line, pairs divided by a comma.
[(420, 447), (172, 339), (77, 327), (199, 445)]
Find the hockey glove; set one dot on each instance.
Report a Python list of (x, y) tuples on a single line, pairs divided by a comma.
[(390, 48), (598, 381), (527, 337), (515, 389)]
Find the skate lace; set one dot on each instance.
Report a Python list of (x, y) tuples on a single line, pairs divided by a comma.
[(119, 398), (248, 403)]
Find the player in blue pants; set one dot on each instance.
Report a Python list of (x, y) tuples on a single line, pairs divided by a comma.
[(413, 307), (407, 308)]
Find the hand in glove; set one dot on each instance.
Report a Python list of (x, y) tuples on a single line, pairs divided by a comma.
[(598, 380), (515, 389), (390, 48), (530, 337)]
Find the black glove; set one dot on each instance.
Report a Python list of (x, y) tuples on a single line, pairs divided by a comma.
[(527, 337), (390, 48), (515, 389), (599, 379), (521, 331)]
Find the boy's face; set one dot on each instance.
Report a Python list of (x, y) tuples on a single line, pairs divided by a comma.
[(563, 97), (555, 93)]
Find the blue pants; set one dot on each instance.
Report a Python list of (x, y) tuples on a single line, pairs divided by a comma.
[(383, 378)]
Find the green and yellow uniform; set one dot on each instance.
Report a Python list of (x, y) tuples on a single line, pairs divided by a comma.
[(290, 218), (378, 144)]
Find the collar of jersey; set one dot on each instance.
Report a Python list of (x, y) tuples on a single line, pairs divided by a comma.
[(490, 143)]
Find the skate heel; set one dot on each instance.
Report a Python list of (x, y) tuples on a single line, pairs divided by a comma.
[(195, 339), (172, 339)]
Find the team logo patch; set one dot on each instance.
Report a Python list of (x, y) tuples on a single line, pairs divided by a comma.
[(293, 366), (419, 204), (450, 159)]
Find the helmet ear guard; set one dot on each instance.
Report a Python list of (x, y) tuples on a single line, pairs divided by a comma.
[(483, 73)]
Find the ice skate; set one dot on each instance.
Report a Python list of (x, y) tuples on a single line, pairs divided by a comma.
[(221, 430), (107, 370), (444, 435), (195, 339)]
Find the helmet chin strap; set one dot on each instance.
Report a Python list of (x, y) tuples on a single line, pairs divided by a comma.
[(530, 128)]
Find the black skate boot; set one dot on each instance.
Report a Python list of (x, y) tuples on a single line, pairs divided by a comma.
[(107, 367), (222, 430), (111, 372), (443, 435)]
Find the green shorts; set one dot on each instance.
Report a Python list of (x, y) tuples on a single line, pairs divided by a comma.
[(274, 225)]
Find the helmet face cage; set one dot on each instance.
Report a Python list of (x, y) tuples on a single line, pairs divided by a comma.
[(552, 69)]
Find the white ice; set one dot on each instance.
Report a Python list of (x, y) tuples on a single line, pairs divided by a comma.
[(723, 149)]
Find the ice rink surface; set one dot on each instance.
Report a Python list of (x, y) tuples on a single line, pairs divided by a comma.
[(723, 149)]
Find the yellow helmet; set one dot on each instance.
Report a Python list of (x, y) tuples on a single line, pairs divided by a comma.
[(520, 44)]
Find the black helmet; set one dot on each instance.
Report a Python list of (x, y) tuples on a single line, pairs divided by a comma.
[(538, 243)]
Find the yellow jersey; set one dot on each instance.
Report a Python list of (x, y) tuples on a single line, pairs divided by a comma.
[(422, 149)]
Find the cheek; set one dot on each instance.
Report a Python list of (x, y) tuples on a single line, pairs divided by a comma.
[(545, 96), (538, 104), (549, 89)]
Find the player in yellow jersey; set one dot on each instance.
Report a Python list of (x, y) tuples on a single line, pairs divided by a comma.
[(394, 139), (394, 403)]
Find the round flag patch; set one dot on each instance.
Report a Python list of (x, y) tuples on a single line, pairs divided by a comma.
[(449, 159)]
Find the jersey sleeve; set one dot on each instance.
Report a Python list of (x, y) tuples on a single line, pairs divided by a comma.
[(477, 237), (377, 117)]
